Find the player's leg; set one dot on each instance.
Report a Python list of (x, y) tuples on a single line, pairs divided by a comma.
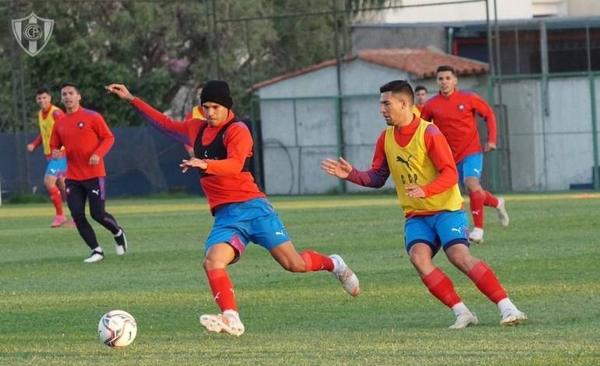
[(266, 229), (76, 202), (422, 243), (218, 257), (96, 191), (483, 277), (470, 173), (53, 170), (224, 246)]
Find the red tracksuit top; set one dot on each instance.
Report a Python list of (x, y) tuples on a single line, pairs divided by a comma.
[(83, 133), (226, 182), (455, 117)]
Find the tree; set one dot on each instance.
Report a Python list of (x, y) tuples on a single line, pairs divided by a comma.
[(156, 47)]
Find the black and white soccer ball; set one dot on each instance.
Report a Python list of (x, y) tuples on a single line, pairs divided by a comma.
[(117, 328)]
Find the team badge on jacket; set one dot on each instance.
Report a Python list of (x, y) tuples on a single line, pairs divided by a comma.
[(80, 124)]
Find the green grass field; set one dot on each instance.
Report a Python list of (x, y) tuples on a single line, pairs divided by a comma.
[(51, 302)]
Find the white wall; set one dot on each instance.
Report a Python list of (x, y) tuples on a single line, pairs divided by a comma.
[(507, 9), (550, 152), (299, 125)]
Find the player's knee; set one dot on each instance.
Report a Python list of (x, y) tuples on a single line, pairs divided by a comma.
[(98, 216)]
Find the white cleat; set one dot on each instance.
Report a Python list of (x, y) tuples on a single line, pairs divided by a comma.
[(95, 257), (464, 320), (121, 244), (476, 236), (513, 317), (226, 323), (502, 214), (345, 275)]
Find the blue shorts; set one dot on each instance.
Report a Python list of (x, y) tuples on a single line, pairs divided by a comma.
[(441, 230), (470, 167), (57, 168), (241, 223)]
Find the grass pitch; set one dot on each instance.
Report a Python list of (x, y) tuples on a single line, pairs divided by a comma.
[(51, 302)]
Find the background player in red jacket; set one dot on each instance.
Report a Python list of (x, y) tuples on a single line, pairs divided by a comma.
[(453, 111), (421, 97), (54, 178), (87, 138), (242, 213)]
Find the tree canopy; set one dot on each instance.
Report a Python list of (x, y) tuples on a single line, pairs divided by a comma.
[(155, 47)]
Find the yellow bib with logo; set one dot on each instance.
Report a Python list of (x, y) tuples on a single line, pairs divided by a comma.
[(411, 165), (198, 113), (46, 125)]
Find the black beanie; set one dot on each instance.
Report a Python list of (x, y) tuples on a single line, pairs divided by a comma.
[(216, 91)]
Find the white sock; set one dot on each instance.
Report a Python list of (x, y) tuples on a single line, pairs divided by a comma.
[(460, 308), (232, 313), (506, 306)]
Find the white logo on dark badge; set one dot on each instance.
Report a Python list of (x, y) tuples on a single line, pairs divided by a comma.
[(32, 33), (80, 124)]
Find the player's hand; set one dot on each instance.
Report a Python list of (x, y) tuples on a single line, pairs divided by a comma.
[(120, 90), (56, 154), (340, 168), (414, 191), (30, 147), (94, 159), (489, 147), (193, 163)]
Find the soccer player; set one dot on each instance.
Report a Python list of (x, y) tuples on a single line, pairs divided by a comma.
[(421, 97), (242, 212), (196, 112), (453, 111), (88, 139), (54, 177), (418, 158)]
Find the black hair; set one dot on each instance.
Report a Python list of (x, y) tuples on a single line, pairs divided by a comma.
[(69, 84), (42, 91), (443, 68), (418, 88), (398, 86)]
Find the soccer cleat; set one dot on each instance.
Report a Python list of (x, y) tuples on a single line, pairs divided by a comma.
[(502, 214), (58, 221), (463, 320), (226, 323), (96, 256), (121, 243), (345, 275), (69, 224), (476, 235), (513, 317)]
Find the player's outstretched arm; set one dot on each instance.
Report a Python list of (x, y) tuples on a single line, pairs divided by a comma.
[(119, 90), (338, 168), (172, 128)]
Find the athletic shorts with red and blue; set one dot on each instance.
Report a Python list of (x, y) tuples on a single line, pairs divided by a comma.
[(441, 230), (254, 221)]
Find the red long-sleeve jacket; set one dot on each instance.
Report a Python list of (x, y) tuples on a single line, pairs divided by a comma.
[(455, 117), (83, 133)]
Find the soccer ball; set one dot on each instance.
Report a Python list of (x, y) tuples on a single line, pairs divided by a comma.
[(117, 328)]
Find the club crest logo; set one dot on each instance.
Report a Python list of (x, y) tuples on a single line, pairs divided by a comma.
[(32, 33), (80, 124), (461, 107)]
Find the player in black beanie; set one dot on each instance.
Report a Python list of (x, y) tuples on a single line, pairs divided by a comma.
[(216, 91), (242, 213)]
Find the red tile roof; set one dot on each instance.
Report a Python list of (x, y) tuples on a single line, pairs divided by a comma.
[(422, 63)]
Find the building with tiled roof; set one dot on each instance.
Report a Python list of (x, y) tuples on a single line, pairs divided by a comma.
[(315, 113)]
